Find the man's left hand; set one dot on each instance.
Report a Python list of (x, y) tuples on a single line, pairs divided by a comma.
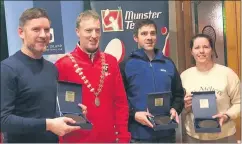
[(174, 115), (83, 109)]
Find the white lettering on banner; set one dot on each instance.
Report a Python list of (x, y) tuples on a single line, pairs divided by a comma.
[(130, 16), (130, 24), (113, 20)]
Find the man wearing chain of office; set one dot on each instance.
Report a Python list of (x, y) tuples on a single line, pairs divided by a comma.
[(102, 88)]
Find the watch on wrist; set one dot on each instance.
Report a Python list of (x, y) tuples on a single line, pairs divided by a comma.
[(228, 117)]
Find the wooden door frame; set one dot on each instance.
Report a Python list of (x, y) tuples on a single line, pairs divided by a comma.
[(184, 34), (233, 44), (233, 35)]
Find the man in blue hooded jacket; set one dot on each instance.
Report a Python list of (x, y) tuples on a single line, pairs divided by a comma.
[(146, 71)]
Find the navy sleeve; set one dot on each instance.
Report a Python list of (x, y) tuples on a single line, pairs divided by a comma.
[(177, 92), (122, 70), (11, 123), (122, 66)]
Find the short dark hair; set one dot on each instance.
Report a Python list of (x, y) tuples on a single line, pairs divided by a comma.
[(210, 40), (32, 13), (142, 22)]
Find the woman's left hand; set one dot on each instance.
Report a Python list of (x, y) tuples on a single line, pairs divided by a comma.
[(222, 118)]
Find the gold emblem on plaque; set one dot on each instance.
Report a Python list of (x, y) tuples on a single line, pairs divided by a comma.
[(204, 103), (70, 96), (159, 102)]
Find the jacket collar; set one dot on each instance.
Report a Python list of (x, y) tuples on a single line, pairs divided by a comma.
[(84, 55), (140, 53)]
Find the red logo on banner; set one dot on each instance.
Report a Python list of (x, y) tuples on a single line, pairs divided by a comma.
[(112, 20)]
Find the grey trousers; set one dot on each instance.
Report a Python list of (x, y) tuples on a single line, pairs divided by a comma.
[(189, 139)]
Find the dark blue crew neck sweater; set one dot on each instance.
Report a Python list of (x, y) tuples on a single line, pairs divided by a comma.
[(28, 97)]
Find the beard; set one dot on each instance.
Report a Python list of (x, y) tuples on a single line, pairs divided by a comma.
[(92, 50), (85, 48), (35, 51)]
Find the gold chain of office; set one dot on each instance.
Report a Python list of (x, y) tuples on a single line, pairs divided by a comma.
[(79, 71)]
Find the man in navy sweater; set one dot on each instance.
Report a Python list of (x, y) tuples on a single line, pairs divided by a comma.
[(146, 71), (28, 87)]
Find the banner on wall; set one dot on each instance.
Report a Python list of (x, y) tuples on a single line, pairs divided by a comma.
[(53, 9), (63, 16), (118, 20)]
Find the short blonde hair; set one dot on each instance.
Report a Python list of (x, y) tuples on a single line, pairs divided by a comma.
[(86, 14)]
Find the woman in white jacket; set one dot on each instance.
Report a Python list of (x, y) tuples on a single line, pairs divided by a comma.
[(209, 76)]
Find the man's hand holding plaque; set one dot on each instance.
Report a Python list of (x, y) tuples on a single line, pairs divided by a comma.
[(83, 109), (142, 117), (59, 126), (174, 115), (69, 104)]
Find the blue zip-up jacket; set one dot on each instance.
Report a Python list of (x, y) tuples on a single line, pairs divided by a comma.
[(142, 76)]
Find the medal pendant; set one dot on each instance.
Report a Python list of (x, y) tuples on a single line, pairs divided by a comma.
[(97, 101)]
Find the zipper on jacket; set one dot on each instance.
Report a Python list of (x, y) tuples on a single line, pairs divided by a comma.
[(153, 76), (150, 65)]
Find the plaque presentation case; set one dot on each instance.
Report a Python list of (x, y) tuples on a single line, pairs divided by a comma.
[(68, 97), (204, 106), (159, 106)]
